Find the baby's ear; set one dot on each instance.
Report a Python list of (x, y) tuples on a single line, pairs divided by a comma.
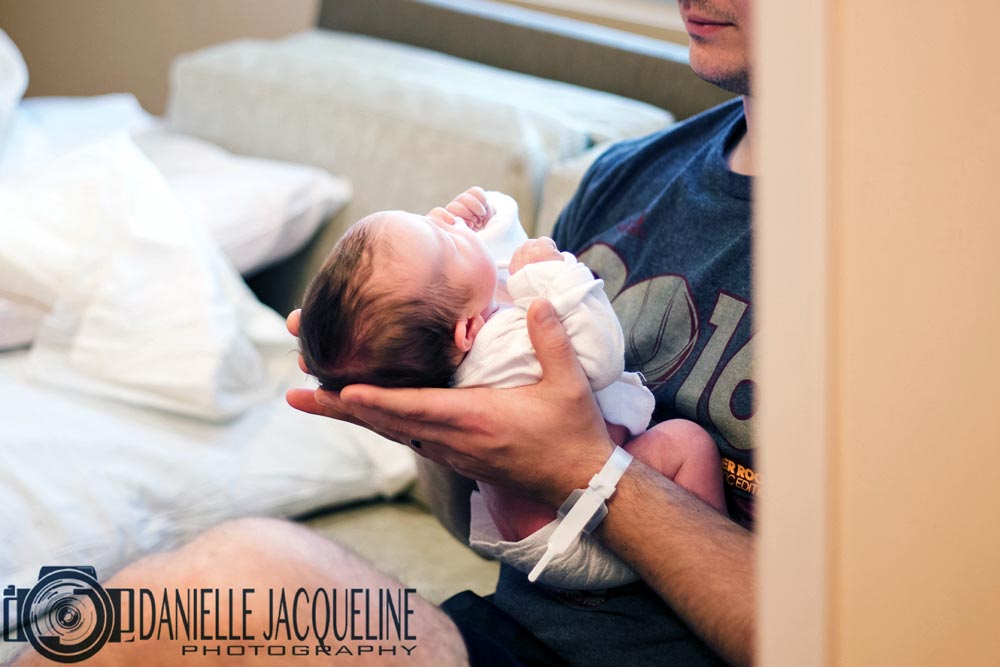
[(466, 331)]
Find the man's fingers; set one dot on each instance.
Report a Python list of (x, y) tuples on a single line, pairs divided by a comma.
[(382, 421), (403, 403), (292, 322), (430, 414), (304, 399), (402, 430), (552, 346)]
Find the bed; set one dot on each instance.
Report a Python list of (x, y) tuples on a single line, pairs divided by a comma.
[(105, 215), (112, 451)]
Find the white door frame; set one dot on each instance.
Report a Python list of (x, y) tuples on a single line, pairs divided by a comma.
[(792, 303)]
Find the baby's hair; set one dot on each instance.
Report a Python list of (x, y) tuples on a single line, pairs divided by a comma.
[(354, 329)]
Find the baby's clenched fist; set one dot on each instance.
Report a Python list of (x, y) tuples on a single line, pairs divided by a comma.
[(542, 249), (472, 207)]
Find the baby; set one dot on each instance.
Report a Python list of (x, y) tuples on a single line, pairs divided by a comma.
[(407, 300)]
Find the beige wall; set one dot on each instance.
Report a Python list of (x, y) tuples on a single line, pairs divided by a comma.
[(899, 144), (88, 47), (917, 309), (659, 19)]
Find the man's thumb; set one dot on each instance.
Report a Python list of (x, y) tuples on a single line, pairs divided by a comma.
[(552, 344)]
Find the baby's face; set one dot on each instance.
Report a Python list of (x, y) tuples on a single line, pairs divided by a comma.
[(425, 245)]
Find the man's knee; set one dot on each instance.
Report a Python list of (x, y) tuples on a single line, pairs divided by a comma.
[(242, 552), (261, 540), (268, 554)]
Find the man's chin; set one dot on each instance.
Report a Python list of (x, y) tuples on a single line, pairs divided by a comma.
[(721, 66), (737, 82), (737, 85)]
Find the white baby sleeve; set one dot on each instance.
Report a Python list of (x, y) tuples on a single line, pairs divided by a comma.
[(583, 308), (503, 234)]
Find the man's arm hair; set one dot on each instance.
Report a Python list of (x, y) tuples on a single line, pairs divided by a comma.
[(699, 561)]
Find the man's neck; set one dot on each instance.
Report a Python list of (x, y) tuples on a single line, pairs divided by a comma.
[(741, 157)]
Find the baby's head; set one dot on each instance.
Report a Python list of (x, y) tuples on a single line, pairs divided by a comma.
[(397, 303)]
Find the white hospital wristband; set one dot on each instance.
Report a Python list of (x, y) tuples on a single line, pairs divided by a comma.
[(584, 509)]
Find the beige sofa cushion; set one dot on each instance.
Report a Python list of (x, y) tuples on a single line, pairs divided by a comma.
[(409, 127)]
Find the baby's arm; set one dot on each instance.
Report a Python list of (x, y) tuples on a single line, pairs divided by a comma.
[(580, 303)]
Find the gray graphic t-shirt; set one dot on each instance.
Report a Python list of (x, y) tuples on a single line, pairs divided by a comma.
[(666, 224)]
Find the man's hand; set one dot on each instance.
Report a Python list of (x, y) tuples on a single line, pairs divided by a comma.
[(541, 440), (542, 249), (546, 439)]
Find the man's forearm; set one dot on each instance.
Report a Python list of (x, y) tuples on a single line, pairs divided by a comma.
[(697, 560)]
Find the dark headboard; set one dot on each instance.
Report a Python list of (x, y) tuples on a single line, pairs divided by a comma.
[(534, 43)]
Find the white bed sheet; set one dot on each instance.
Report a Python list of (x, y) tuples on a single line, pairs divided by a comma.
[(96, 482)]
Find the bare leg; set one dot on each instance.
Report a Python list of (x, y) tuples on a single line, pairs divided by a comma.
[(269, 554), (684, 452)]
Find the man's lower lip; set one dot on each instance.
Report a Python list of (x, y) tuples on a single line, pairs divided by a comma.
[(704, 29)]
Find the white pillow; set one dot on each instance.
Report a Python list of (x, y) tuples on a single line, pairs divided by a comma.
[(45, 127), (258, 211), (38, 130), (143, 307), (18, 323), (13, 83)]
